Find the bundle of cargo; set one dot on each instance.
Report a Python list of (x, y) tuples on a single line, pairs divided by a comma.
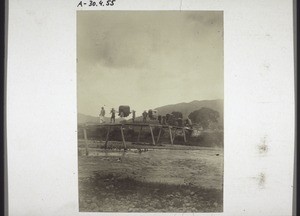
[(124, 111), (153, 114), (175, 119)]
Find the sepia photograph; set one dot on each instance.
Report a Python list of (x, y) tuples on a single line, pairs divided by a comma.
[(150, 96), (150, 107)]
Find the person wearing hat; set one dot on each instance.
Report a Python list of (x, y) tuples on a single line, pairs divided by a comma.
[(102, 114), (113, 116)]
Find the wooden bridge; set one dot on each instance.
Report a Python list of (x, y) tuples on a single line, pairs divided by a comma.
[(172, 131)]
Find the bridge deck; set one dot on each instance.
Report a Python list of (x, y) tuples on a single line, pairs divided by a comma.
[(133, 124)]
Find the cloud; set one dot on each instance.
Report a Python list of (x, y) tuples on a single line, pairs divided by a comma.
[(148, 59), (112, 42)]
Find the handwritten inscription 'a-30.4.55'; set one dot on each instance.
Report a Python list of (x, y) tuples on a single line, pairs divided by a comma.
[(96, 3)]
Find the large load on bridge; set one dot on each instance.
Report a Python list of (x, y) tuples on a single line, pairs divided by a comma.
[(153, 114), (174, 118), (124, 111)]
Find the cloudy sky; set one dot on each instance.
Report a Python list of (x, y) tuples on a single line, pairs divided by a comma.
[(147, 59)]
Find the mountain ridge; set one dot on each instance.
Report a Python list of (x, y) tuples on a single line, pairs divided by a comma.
[(187, 108)]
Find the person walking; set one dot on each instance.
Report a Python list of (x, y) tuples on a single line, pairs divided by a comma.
[(164, 122), (113, 116), (150, 114), (101, 115), (133, 115), (159, 119), (145, 114), (168, 117)]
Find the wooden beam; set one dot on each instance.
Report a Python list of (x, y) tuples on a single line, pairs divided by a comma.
[(107, 137), (130, 124), (170, 132), (159, 135), (174, 135), (139, 136), (123, 138), (184, 136), (153, 140), (86, 142)]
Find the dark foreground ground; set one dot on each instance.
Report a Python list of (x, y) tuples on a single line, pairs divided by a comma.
[(166, 179)]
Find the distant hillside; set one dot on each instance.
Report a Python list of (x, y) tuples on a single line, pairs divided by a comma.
[(82, 119), (187, 108)]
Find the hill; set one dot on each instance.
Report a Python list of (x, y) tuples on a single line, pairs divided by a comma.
[(187, 108), (82, 119)]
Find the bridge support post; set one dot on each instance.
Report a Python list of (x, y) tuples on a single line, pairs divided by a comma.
[(123, 138), (153, 140), (86, 142), (139, 136), (107, 136), (170, 132), (158, 135), (174, 135), (184, 136)]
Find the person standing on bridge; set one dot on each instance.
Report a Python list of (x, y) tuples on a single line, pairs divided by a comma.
[(102, 114), (150, 114), (168, 117), (113, 116), (159, 119), (133, 115), (145, 114), (164, 122)]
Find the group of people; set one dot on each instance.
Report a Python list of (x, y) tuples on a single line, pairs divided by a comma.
[(150, 114), (164, 120), (102, 115), (167, 119), (112, 115)]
